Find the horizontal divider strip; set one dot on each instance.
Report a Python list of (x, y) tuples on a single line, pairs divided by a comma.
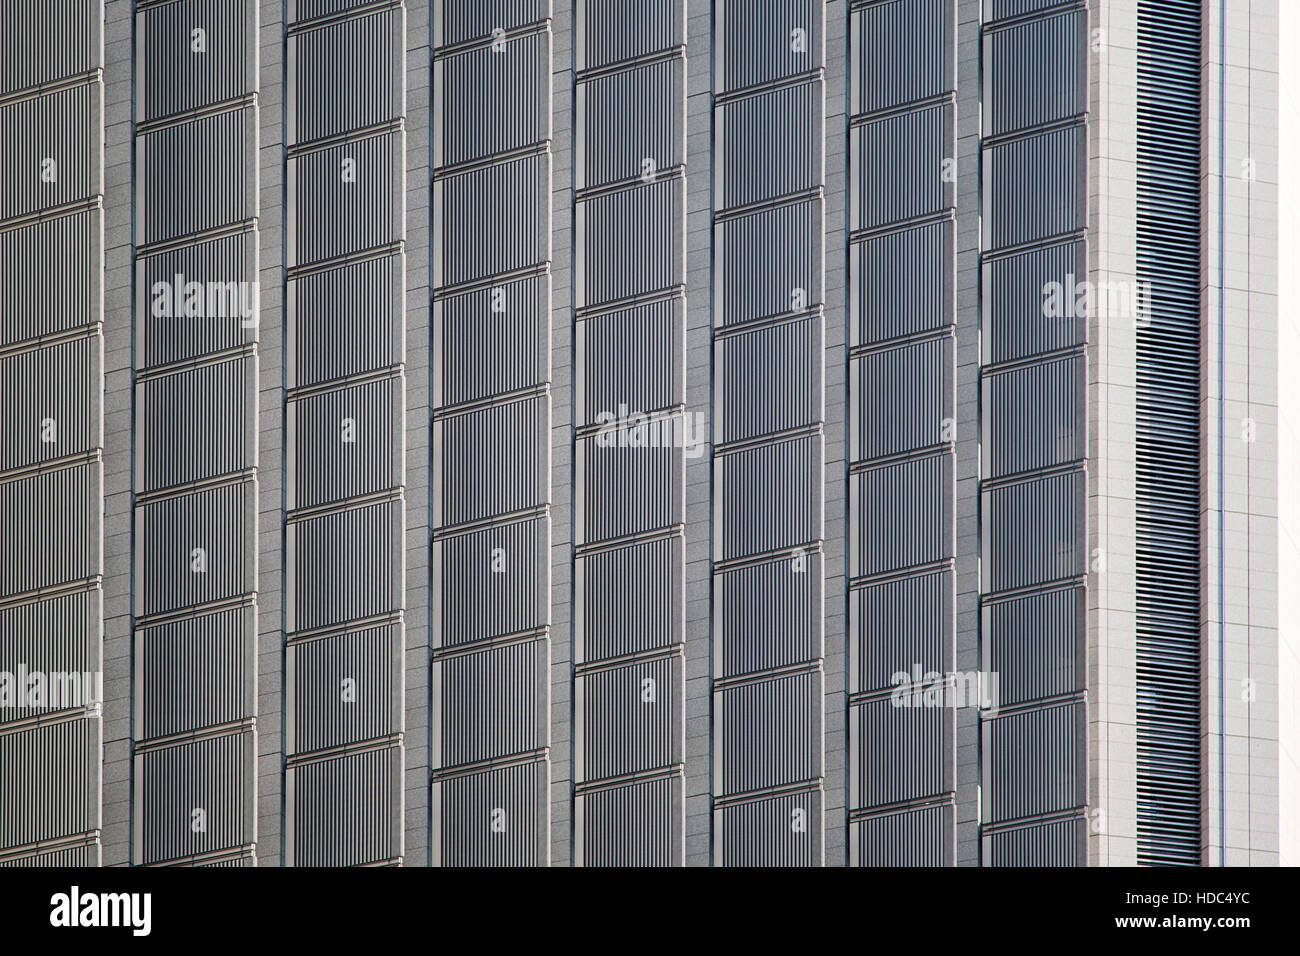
[(764, 205), (721, 684), (671, 772), (815, 75), (298, 515), (766, 557), (307, 147), (372, 745), (294, 27), (872, 811), (769, 438), (144, 745), (313, 635), (464, 649), (586, 668), (765, 793), (454, 771), (899, 574), (93, 75), (145, 127), (664, 55), (605, 545), (495, 521), (91, 202)]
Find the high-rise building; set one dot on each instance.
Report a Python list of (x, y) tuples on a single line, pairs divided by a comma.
[(533, 432)]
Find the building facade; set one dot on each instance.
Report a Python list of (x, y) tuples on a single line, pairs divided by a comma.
[(643, 432)]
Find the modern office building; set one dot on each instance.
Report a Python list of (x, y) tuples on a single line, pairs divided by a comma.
[(645, 432)]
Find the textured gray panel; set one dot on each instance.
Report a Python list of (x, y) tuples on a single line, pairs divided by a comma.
[(1035, 531), (909, 838), (632, 824), (754, 42), (1058, 843), (902, 283), (631, 357), (772, 831), (493, 703), (189, 71), (1033, 762), (492, 101), (347, 75), (77, 48), (901, 398), (461, 21), (494, 220), (487, 350), (492, 818), (1035, 645), (904, 53), (57, 506), (904, 515), (628, 719), (904, 148), (49, 636), (51, 157), (768, 497), (194, 798), (221, 522), (52, 409), (64, 293), (171, 456), (791, 396), (346, 566), (1032, 187), (358, 303), (40, 805), (648, 612), (627, 117), (347, 199), (473, 601), (196, 672), (768, 263), (647, 481), (344, 443), (612, 31), (1059, 93), (768, 616), (899, 625), (160, 214), (491, 461), (773, 125), (1034, 415), (647, 219), (781, 742), (903, 749), (345, 811), (174, 320), (1015, 321), (73, 857), (346, 689)]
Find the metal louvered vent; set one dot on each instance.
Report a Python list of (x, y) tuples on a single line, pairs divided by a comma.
[(1168, 452)]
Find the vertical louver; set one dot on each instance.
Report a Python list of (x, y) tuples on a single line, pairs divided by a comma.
[(489, 465), (768, 402), (196, 419), (629, 255), (1168, 433), (901, 418), (1033, 483)]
